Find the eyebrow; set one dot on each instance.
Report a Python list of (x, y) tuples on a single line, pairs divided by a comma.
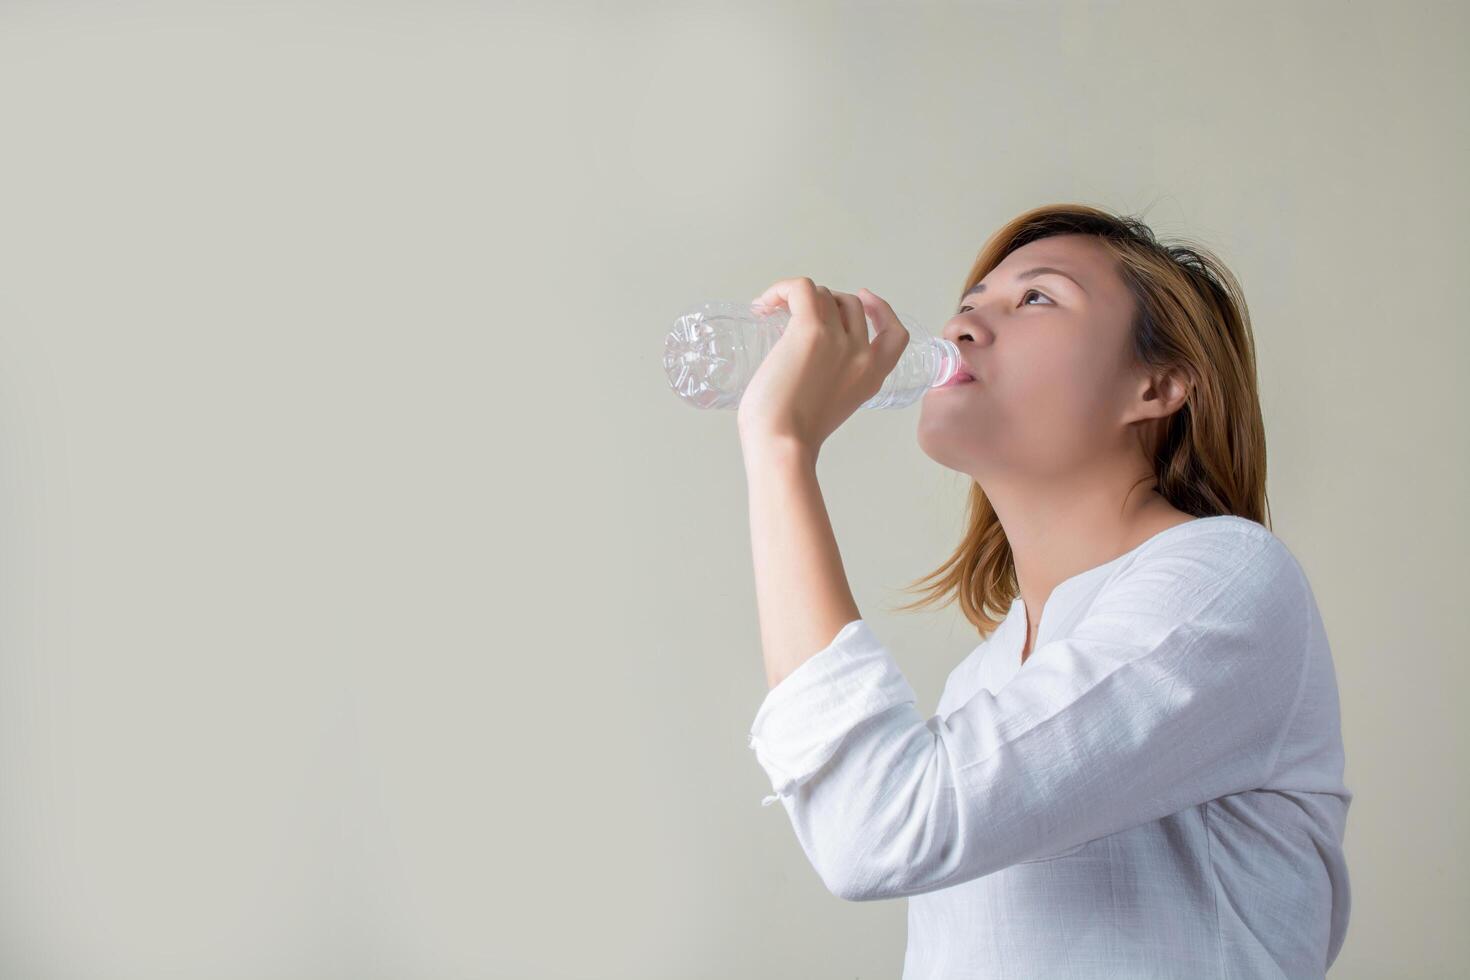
[(979, 287)]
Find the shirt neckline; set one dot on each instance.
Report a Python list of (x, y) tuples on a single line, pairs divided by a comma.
[(1018, 605)]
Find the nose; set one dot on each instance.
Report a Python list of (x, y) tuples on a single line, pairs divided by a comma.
[(967, 328)]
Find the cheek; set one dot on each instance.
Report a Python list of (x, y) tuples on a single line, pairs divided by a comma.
[(1055, 406), (1049, 387)]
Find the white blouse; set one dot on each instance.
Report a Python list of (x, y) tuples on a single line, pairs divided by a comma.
[(1156, 792)]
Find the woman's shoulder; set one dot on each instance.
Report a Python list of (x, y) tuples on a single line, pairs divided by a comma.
[(1222, 543), (1222, 567)]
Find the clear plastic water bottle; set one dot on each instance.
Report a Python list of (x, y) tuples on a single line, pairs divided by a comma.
[(713, 352)]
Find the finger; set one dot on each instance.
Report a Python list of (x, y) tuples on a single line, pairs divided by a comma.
[(892, 336), (801, 296), (831, 312), (854, 316)]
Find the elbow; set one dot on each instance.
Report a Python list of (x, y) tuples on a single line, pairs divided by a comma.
[(872, 881), (858, 883), (905, 846), (845, 872), (875, 827), (860, 894), (858, 876), (852, 888), (914, 858)]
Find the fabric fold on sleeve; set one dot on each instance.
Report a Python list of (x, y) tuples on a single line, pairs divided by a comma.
[(804, 719)]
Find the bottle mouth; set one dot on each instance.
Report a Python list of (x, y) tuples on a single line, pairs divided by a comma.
[(949, 366)]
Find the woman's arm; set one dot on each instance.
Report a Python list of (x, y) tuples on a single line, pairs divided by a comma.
[(1177, 687), (801, 589)]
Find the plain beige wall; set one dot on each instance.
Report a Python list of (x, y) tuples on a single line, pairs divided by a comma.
[(369, 606)]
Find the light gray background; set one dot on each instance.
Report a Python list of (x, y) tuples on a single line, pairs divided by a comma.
[(369, 607)]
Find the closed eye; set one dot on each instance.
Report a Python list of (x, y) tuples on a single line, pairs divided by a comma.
[(1023, 299)]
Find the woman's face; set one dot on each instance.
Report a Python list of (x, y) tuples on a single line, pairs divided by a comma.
[(1053, 363)]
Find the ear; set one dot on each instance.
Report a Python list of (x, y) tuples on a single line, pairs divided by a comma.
[(1161, 394)]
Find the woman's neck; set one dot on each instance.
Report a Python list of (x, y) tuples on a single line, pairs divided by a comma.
[(1050, 544)]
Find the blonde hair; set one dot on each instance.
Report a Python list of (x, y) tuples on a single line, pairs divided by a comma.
[(1210, 454)]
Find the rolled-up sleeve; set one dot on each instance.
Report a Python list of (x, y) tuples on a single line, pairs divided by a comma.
[(804, 719), (1174, 688)]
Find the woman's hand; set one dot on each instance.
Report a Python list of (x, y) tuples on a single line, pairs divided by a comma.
[(822, 368)]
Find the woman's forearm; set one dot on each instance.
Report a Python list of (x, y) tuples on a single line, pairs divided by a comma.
[(802, 596)]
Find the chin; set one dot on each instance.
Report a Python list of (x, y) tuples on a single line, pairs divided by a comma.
[(953, 448)]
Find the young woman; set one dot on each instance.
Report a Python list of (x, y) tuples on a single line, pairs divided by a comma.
[(1139, 771)]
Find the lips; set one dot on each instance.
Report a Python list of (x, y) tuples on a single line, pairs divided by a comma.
[(960, 377)]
